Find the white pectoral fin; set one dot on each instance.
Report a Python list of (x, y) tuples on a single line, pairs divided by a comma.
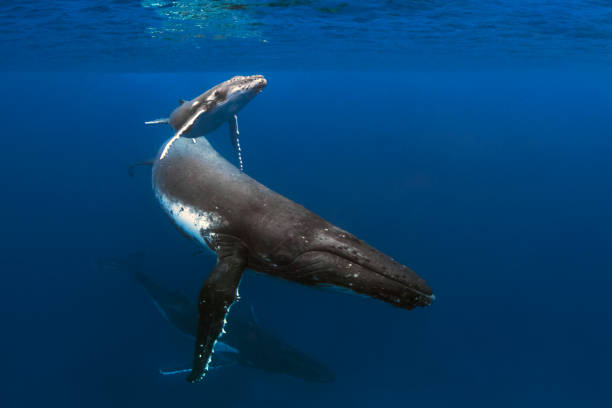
[(157, 121), (184, 129), (233, 130), (234, 138)]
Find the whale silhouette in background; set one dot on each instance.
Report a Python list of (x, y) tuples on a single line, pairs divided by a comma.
[(246, 343)]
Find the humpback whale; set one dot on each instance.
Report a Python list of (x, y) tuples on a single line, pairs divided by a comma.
[(248, 225), (214, 107), (246, 344)]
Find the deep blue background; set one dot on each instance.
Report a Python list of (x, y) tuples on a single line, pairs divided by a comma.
[(469, 141), (495, 187)]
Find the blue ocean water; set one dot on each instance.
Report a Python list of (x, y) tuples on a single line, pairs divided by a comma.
[(469, 141)]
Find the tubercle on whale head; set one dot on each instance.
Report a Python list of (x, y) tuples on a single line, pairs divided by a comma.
[(243, 86), (397, 284), (335, 258), (229, 97), (253, 81)]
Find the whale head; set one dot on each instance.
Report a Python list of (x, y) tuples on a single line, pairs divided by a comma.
[(239, 90), (218, 104), (335, 259)]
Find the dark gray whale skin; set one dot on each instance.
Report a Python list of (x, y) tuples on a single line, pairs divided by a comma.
[(249, 225)]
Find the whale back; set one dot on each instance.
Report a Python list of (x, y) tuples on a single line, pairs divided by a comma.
[(195, 177)]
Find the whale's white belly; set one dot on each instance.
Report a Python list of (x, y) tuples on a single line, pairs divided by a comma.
[(198, 224)]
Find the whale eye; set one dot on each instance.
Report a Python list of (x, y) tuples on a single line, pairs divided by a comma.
[(221, 94)]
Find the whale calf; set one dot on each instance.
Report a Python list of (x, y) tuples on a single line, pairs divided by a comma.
[(248, 225), (214, 107)]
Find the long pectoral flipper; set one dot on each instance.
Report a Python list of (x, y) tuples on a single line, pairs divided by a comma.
[(234, 137), (185, 129), (217, 295), (157, 121)]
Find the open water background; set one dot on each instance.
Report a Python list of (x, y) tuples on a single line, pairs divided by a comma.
[(469, 141)]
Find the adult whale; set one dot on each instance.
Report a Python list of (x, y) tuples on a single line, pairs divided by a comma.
[(249, 225)]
